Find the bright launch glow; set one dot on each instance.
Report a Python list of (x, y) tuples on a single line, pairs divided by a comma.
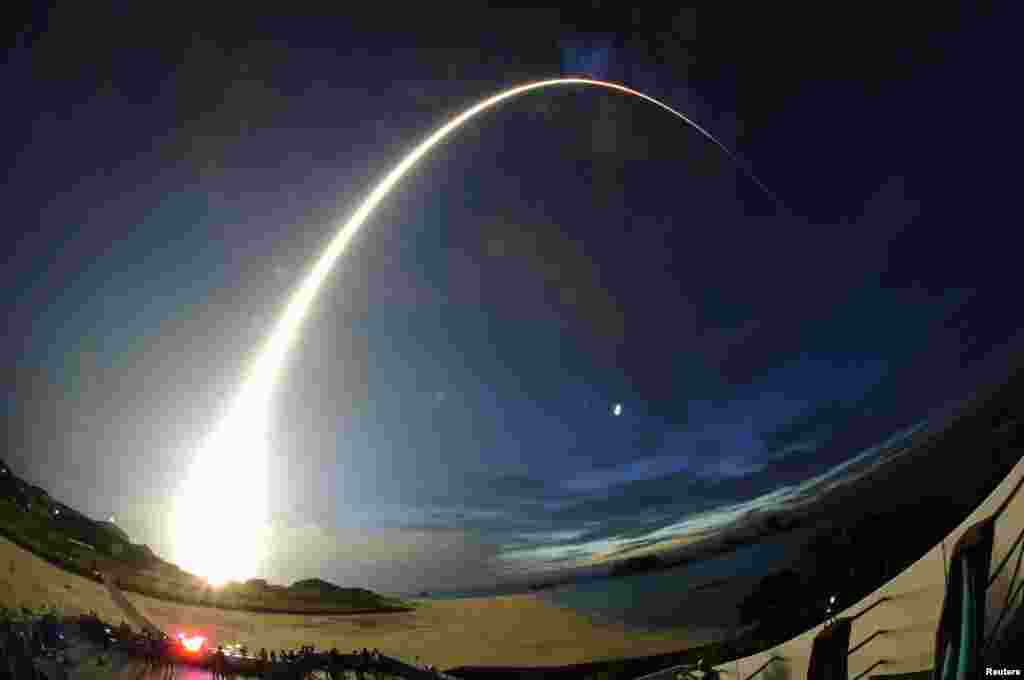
[(219, 521), (192, 644)]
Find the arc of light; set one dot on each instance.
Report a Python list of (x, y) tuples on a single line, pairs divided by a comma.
[(243, 430), (272, 358)]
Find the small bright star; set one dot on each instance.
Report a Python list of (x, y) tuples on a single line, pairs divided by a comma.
[(617, 410)]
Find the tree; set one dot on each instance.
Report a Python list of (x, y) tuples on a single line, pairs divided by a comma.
[(775, 604)]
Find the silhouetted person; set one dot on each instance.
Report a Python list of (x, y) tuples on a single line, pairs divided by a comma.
[(5, 658), (706, 673), (157, 654), (35, 643), (167, 657), (62, 666), (9, 652), (334, 669), (23, 666), (264, 662), (218, 664)]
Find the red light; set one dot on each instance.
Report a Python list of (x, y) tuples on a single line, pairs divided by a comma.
[(192, 644)]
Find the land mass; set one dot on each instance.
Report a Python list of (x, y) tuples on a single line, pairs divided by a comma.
[(56, 532)]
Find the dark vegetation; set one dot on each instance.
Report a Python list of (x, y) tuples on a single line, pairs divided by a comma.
[(636, 565), (68, 539), (853, 554)]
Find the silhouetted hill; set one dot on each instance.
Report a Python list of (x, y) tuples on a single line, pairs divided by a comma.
[(316, 585), (116, 530), (72, 541), (636, 565)]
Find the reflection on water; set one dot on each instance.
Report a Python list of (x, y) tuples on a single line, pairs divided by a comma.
[(706, 593), (554, 553)]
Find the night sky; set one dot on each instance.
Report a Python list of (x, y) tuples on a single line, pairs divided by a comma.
[(169, 179)]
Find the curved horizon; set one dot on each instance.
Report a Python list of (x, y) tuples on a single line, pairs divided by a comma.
[(241, 435)]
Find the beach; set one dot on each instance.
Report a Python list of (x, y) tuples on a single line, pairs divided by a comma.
[(917, 497), (508, 630)]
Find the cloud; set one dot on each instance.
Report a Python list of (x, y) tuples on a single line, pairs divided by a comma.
[(724, 457), (518, 486), (815, 425), (757, 493), (605, 476)]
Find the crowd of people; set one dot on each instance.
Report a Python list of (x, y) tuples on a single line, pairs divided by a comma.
[(25, 638), (296, 662), (16, 655), (162, 652), (33, 641)]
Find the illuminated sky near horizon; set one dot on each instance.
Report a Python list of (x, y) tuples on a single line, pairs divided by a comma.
[(453, 397)]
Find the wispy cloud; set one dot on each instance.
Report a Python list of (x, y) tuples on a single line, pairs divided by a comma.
[(701, 523)]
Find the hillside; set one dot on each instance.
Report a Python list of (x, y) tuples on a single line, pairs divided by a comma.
[(66, 538), (447, 633)]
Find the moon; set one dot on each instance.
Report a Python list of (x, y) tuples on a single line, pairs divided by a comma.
[(219, 522)]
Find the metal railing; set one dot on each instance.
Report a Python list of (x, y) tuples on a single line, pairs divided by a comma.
[(767, 663), (1006, 560), (866, 640), (864, 611), (669, 672), (1013, 589), (870, 668), (1014, 599)]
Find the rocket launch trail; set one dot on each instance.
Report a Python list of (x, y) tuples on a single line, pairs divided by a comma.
[(237, 448)]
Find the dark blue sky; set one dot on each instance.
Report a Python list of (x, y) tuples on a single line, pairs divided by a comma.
[(169, 180)]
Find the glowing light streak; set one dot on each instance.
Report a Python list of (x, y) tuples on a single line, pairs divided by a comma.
[(192, 644), (219, 522)]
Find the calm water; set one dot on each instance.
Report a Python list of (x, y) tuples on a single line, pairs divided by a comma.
[(672, 598), (662, 599)]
